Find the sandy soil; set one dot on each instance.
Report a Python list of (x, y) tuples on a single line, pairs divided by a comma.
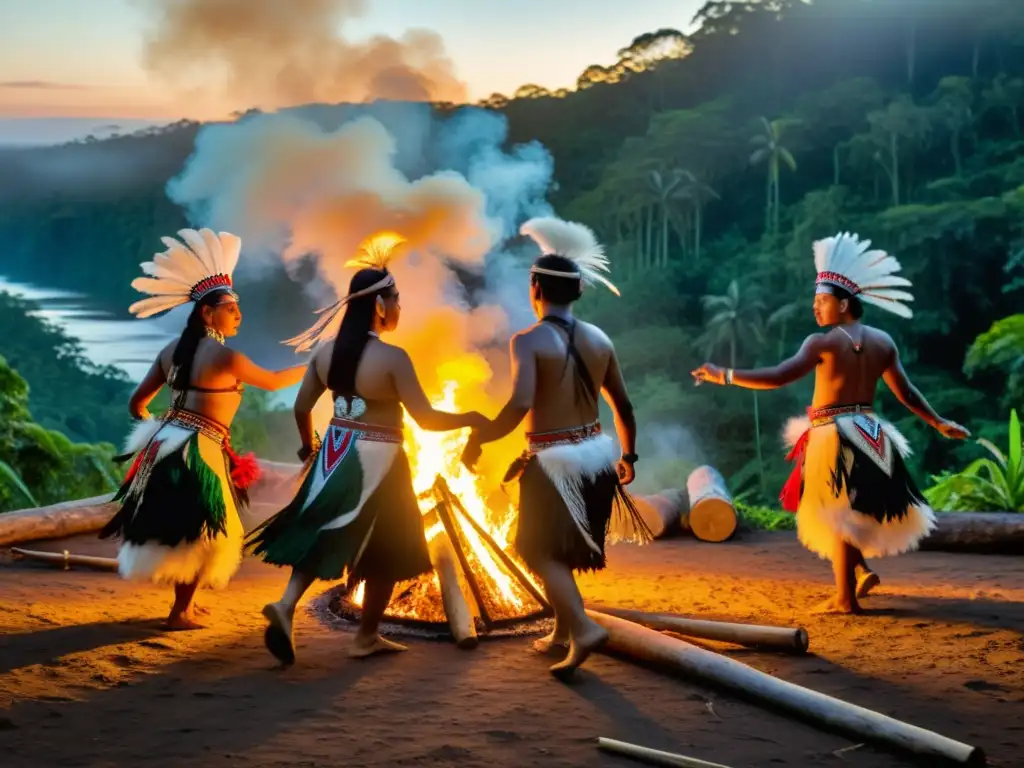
[(88, 679)]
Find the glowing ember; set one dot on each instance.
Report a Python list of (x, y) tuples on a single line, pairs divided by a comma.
[(434, 454)]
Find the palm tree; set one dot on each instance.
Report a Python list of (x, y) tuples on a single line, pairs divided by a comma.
[(699, 194), (731, 321), (770, 151), (780, 319), (665, 188)]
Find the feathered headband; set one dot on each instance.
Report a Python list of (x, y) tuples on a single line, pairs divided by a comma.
[(845, 261), (374, 253), (187, 271), (573, 241)]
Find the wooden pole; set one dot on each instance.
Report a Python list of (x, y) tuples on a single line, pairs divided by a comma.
[(66, 559), (653, 756), (791, 639), (508, 562), (57, 521), (460, 618), (646, 645), (444, 512)]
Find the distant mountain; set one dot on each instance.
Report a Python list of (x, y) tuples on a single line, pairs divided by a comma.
[(41, 131)]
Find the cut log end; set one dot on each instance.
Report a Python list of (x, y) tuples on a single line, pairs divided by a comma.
[(713, 520)]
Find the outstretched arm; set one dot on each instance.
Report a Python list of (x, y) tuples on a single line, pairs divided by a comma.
[(411, 393), (247, 372), (524, 383), (786, 372), (143, 395), (614, 391), (895, 377)]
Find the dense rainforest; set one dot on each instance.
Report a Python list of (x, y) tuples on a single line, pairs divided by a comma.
[(708, 164)]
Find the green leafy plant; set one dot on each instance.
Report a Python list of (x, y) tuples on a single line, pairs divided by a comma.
[(988, 484)]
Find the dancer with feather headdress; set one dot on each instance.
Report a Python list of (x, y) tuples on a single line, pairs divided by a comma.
[(356, 512), (179, 502), (571, 477), (850, 487)]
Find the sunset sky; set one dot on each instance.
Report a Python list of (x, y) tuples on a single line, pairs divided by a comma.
[(85, 58)]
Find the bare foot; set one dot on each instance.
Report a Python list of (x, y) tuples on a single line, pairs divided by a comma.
[(181, 623), (361, 648), (867, 582), (551, 642), (834, 605), (278, 635), (579, 649)]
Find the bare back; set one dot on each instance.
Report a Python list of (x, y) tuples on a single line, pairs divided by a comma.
[(209, 372), (844, 376), (378, 376), (558, 403)]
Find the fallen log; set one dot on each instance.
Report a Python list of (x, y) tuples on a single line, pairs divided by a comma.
[(649, 646), (653, 756), (789, 639), (711, 516), (66, 559), (69, 518), (992, 533), (456, 608)]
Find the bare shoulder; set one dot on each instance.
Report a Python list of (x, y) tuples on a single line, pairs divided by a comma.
[(167, 354), (594, 334), (393, 356), (529, 338), (879, 339)]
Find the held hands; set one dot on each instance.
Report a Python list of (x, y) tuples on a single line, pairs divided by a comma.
[(952, 430), (710, 373), (474, 420), (471, 453)]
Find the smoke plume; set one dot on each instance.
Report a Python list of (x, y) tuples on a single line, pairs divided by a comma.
[(269, 54), (292, 189)]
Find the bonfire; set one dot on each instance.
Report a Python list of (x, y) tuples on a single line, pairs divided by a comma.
[(478, 584)]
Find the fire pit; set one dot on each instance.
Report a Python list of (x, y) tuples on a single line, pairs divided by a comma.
[(476, 586)]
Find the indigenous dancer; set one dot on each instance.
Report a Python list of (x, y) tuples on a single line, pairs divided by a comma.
[(179, 502), (850, 487), (571, 477), (356, 511)]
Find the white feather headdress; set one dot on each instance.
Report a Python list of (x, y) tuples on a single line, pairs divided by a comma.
[(375, 252), (200, 264), (846, 262), (573, 241)]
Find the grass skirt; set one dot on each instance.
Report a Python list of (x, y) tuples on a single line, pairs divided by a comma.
[(355, 513), (567, 496), (856, 487), (179, 518)]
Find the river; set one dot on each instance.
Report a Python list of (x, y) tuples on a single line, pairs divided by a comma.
[(106, 340)]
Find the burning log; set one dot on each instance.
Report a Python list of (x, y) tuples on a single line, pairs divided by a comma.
[(789, 639), (57, 521), (675, 655), (712, 516), (460, 618), (66, 559), (653, 756)]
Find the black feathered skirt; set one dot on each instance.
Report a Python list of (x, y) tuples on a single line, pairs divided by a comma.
[(355, 513), (568, 491), (178, 519), (853, 484)]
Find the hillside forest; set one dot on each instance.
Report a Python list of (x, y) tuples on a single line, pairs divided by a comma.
[(708, 164)]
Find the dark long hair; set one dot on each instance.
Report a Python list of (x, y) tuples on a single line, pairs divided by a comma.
[(185, 351), (354, 333)]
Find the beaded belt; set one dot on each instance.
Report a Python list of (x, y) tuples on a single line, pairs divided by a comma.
[(538, 441), (373, 432), (214, 430), (821, 416)]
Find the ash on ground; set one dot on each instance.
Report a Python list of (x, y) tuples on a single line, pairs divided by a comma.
[(334, 609)]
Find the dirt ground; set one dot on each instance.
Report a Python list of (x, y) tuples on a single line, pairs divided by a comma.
[(88, 679)]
